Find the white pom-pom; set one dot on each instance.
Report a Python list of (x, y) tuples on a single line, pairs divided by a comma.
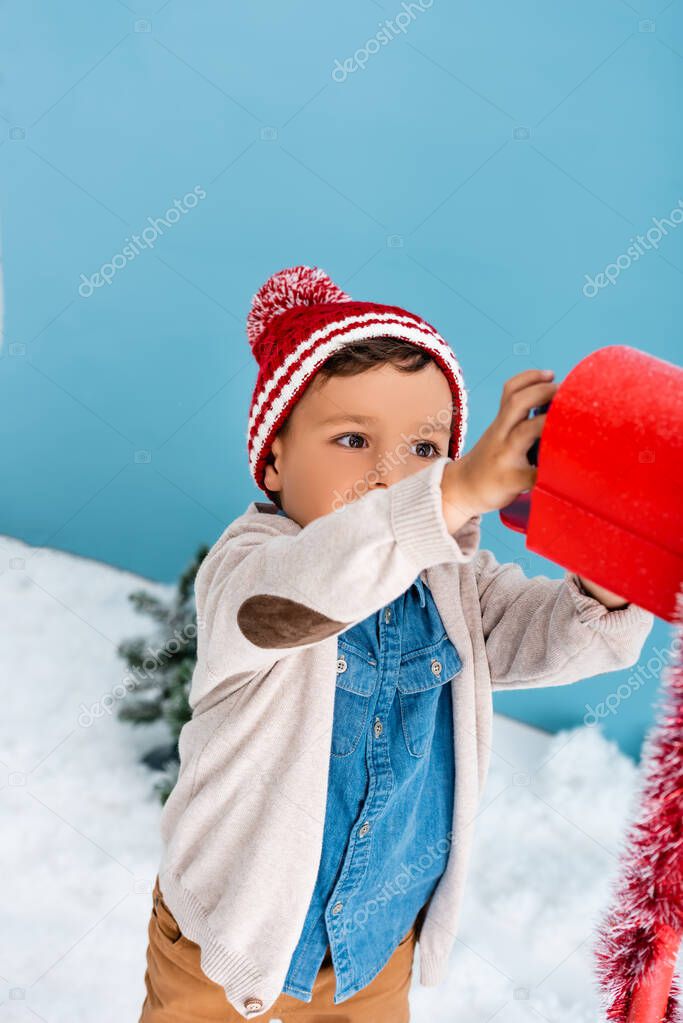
[(296, 285)]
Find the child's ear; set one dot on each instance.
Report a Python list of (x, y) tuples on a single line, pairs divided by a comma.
[(271, 476)]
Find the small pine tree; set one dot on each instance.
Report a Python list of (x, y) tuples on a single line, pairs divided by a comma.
[(162, 692)]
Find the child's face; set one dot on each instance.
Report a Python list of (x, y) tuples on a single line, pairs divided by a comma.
[(319, 465)]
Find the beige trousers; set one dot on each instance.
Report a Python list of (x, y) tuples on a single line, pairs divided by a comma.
[(178, 991)]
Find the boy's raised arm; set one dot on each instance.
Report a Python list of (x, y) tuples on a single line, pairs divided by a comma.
[(262, 593), (541, 631)]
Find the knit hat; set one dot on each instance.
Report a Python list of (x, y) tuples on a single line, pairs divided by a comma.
[(300, 317)]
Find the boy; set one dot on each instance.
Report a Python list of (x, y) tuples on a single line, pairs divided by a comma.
[(350, 633)]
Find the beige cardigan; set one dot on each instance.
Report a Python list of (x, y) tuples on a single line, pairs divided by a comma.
[(242, 829)]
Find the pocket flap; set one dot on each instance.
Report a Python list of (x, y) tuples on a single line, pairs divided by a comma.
[(431, 666), (356, 669)]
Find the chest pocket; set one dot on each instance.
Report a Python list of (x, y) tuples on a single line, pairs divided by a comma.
[(356, 681), (422, 674)]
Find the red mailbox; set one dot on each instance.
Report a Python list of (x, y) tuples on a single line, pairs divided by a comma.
[(608, 498)]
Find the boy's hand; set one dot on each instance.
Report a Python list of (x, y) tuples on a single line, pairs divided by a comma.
[(611, 600), (496, 470)]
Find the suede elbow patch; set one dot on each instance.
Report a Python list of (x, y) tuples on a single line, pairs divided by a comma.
[(268, 621)]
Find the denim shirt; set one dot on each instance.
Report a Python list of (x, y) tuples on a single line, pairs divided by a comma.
[(391, 780)]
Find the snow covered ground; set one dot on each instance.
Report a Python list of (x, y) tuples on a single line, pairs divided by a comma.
[(81, 841)]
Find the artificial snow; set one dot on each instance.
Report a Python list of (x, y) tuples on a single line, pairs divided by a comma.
[(81, 828)]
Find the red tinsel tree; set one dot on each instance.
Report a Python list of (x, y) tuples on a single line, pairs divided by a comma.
[(637, 942)]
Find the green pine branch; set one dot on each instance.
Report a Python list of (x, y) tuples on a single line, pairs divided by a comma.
[(162, 665)]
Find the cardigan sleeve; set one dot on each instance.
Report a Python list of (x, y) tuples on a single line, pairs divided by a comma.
[(262, 593), (540, 631)]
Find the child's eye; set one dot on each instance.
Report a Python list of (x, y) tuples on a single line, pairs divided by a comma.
[(429, 444), (420, 443), (350, 435)]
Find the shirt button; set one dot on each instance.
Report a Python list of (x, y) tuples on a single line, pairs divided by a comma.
[(341, 664), (364, 830), (253, 1004), (436, 667), (337, 908), (387, 615), (378, 728)]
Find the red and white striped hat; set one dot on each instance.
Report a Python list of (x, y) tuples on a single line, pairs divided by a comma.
[(298, 319)]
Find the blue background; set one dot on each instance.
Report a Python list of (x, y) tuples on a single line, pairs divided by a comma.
[(479, 165)]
